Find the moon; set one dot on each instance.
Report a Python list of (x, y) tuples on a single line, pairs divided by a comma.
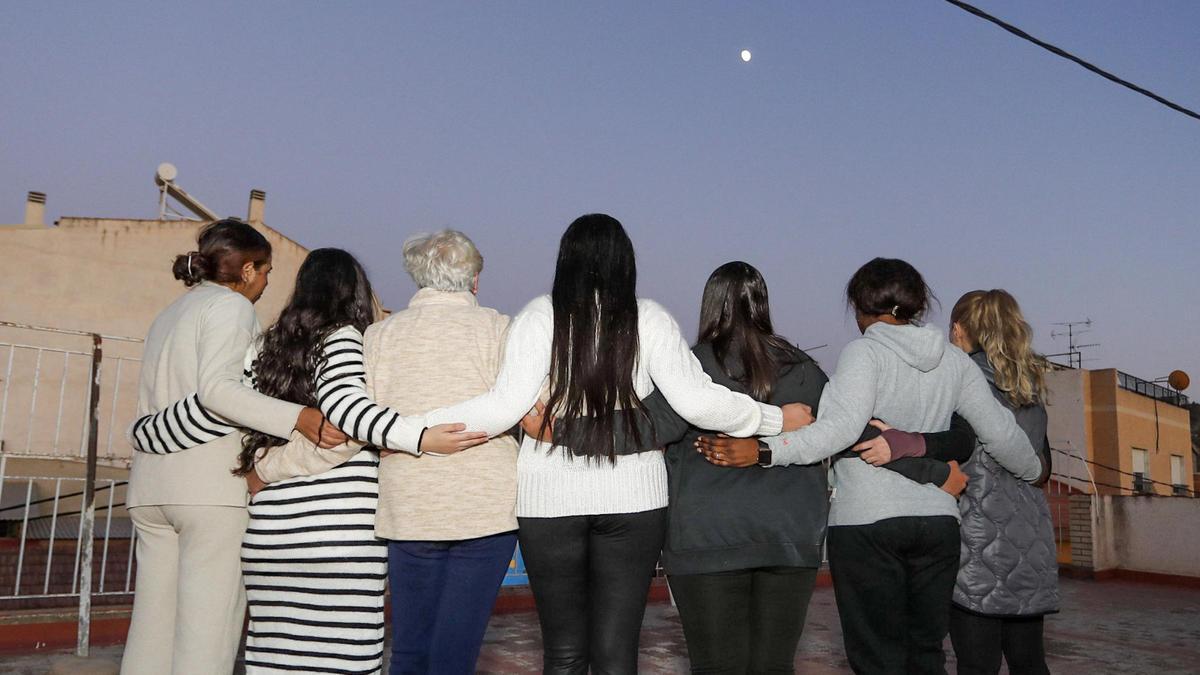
[(746, 55)]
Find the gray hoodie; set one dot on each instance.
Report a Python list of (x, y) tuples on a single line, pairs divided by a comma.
[(913, 379)]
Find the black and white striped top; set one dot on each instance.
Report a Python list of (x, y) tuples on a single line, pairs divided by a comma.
[(341, 396), (183, 424)]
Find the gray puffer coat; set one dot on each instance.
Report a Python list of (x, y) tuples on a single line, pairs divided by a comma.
[(1008, 565)]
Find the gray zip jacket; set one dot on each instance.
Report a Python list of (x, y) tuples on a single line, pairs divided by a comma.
[(911, 378), (1008, 565)]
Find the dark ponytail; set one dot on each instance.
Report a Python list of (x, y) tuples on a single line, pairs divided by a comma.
[(224, 248)]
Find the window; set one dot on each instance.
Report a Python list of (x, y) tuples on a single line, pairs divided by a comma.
[(1180, 485), (1141, 471)]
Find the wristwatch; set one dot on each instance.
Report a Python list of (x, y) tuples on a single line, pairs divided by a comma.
[(764, 454)]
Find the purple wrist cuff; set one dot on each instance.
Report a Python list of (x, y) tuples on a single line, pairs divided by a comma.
[(904, 443)]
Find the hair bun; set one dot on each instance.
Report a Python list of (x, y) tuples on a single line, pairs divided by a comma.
[(191, 268)]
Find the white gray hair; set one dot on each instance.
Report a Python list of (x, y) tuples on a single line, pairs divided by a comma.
[(444, 261)]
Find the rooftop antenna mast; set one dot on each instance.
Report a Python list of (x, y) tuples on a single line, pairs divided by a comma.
[(164, 178), (1073, 329)]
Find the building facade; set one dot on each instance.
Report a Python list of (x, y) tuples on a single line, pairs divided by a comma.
[(110, 276), (1117, 434)]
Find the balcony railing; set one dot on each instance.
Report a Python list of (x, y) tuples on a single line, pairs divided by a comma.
[(1155, 391)]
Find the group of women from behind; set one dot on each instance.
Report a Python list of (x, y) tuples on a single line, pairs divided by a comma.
[(386, 452)]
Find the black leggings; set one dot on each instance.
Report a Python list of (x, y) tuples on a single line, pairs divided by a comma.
[(744, 621), (590, 576), (979, 641)]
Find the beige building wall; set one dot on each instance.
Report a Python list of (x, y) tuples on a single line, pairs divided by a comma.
[(1068, 399), (1146, 534), (110, 276), (113, 275)]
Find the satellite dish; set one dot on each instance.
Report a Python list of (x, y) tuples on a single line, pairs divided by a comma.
[(1179, 380), (165, 173)]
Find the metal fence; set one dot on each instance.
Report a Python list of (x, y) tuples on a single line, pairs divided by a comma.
[(46, 533), (45, 396), (63, 409)]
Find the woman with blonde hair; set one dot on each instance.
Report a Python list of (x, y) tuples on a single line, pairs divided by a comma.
[(1008, 569)]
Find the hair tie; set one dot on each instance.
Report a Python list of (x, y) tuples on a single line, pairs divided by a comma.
[(189, 264), (895, 308)]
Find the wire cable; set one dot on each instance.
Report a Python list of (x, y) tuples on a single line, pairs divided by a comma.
[(1071, 57), (1144, 479)]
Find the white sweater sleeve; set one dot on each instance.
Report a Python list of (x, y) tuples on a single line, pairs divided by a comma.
[(996, 428), (847, 403), (677, 372), (523, 370), (342, 397), (226, 328)]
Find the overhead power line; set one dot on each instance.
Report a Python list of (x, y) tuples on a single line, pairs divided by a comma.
[(1071, 57), (1114, 469)]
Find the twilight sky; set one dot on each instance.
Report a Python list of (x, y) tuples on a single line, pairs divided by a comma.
[(908, 130)]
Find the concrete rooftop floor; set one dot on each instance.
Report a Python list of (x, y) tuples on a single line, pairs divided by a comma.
[(1105, 627)]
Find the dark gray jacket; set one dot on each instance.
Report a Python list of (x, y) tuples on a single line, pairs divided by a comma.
[(723, 519), (1009, 564)]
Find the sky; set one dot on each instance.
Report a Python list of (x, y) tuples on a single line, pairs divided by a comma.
[(858, 129)]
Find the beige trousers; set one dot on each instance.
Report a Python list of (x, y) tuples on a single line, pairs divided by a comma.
[(189, 605)]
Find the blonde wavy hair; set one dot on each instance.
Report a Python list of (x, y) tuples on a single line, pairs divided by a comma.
[(993, 321)]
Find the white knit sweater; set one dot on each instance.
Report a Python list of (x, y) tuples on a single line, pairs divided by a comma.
[(552, 484)]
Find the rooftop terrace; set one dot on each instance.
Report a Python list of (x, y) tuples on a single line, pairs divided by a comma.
[(1105, 627)]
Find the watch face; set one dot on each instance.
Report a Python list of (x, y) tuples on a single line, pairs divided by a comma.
[(764, 456)]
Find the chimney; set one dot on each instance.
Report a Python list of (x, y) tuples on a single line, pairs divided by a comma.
[(35, 209), (258, 202)]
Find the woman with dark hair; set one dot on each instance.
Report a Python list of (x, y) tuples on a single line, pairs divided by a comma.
[(742, 574), (893, 543), (592, 517), (189, 510), (309, 555)]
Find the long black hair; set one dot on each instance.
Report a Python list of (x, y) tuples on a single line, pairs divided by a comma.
[(595, 345), (223, 248), (331, 291), (735, 318)]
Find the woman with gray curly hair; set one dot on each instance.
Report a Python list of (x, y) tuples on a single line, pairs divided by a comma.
[(449, 521)]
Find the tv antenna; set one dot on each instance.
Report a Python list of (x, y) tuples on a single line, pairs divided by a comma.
[(164, 178), (1073, 329)]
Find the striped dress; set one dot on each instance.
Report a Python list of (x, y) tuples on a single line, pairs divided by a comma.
[(315, 572)]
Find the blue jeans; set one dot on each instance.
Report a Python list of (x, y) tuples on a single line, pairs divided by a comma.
[(442, 597)]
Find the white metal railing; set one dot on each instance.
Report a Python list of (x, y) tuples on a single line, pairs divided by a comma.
[(44, 396), (46, 523), (36, 425)]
